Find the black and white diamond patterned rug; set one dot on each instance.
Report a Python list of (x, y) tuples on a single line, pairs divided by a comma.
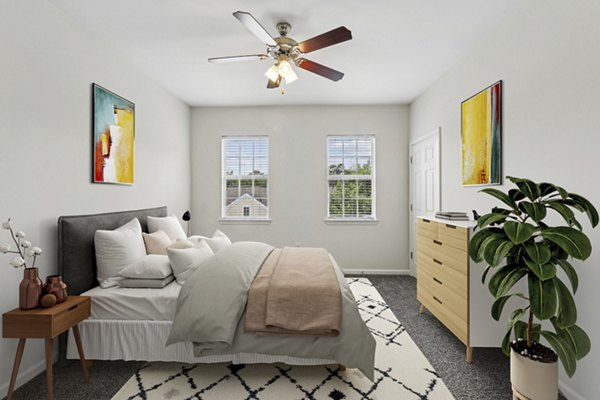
[(401, 371)]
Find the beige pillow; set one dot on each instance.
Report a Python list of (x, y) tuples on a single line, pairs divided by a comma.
[(157, 242)]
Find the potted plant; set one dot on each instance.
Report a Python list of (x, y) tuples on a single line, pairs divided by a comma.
[(519, 245)]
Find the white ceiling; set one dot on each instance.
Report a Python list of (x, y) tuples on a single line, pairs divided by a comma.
[(399, 47)]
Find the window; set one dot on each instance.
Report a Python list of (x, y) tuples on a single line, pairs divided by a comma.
[(351, 177), (245, 171)]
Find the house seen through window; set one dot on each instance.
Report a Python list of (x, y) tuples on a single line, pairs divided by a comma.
[(351, 177), (245, 172)]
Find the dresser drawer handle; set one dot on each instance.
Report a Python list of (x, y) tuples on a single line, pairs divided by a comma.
[(450, 226), (438, 281), (426, 220), (437, 261), (437, 242), (438, 300)]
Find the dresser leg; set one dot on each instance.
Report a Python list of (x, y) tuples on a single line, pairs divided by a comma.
[(469, 354), (421, 309), (86, 376), (49, 377), (17, 364)]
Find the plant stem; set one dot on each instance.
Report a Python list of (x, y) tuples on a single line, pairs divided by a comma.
[(530, 329)]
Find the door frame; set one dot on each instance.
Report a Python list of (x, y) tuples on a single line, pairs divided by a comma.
[(435, 134)]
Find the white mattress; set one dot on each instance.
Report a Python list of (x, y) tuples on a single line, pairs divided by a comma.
[(117, 303)]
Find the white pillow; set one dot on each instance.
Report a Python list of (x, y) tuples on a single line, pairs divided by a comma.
[(218, 241), (183, 244), (116, 250), (185, 261), (151, 266), (170, 225)]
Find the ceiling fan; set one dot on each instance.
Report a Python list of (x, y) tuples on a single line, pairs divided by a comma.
[(286, 51)]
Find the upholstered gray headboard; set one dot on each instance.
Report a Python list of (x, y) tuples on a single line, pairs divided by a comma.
[(76, 252)]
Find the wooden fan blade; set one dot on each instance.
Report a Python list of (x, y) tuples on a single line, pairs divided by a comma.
[(223, 60), (319, 69), (335, 36), (274, 85), (253, 26)]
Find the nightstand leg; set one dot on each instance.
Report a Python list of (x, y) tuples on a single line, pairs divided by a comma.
[(17, 364), (86, 376), (49, 380)]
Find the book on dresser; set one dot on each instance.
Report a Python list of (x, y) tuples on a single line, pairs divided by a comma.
[(449, 283)]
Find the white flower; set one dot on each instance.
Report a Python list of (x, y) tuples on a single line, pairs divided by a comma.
[(4, 248), (36, 250), (6, 225), (17, 262), (25, 244), (20, 235), (30, 252)]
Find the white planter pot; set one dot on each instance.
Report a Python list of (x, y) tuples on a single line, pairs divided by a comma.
[(533, 380)]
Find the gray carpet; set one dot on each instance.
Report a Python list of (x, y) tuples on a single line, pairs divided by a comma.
[(487, 377)]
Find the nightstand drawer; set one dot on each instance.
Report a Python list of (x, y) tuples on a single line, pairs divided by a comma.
[(70, 316)]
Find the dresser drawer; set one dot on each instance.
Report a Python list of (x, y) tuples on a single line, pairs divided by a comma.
[(449, 256), (444, 294), (454, 280), (454, 236), (427, 228)]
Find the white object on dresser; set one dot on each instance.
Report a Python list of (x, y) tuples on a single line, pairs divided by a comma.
[(449, 283)]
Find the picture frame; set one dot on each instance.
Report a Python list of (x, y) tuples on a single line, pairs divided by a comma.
[(481, 135), (113, 131)]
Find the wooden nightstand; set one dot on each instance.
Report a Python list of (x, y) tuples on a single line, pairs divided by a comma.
[(46, 323)]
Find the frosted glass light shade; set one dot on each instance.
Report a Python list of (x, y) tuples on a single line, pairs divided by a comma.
[(272, 73)]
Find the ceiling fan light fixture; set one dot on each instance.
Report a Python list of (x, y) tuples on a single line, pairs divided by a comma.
[(272, 73), (290, 76), (287, 72)]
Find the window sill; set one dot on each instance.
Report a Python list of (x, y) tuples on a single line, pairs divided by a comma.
[(351, 221), (245, 221)]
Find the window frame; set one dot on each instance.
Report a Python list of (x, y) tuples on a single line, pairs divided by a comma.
[(355, 219), (243, 219)]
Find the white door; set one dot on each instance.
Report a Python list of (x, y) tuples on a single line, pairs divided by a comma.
[(424, 184)]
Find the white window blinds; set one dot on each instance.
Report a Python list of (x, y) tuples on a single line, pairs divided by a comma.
[(245, 177), (351, 177)]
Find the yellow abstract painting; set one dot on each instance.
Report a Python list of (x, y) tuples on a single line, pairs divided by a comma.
[(481, 137)]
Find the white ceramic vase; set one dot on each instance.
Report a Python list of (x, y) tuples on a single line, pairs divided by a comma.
[(533, 380)]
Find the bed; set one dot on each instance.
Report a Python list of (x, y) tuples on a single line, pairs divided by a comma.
[(134, 324)]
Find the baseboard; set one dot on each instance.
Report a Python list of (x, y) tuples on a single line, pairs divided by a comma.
[(25, 375), (568, 391), (376, 272)]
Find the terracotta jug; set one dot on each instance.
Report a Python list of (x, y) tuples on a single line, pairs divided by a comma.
[(30, 289), (55, 285)]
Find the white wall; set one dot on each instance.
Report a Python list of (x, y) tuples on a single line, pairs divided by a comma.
[(298, 185), (548, 56), (47, 65)]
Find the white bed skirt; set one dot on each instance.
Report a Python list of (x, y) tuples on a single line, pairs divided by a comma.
[(145, 341)]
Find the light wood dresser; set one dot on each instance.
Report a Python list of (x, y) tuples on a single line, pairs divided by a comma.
[(449, 283)]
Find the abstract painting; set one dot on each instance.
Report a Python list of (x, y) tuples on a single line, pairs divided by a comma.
[(114, 136), (481, 137)]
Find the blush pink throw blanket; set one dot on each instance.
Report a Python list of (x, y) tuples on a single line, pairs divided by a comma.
[(295, 293)]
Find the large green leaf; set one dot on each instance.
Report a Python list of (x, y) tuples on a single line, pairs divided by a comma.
[(475, 250), (506, 343), (505, 278), (516, 194), (549, 188), (536, 211), (574, 242), (539, 252), (527, 187), (543, 272), (490, 218), (518, 232), (577, 337), (590, 210), (496, 250), (485, 272), (521, 328), (503, 197), (542, 295), (570, 272), (565, 351), (515, 316), (567, 214), (567, 310)]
